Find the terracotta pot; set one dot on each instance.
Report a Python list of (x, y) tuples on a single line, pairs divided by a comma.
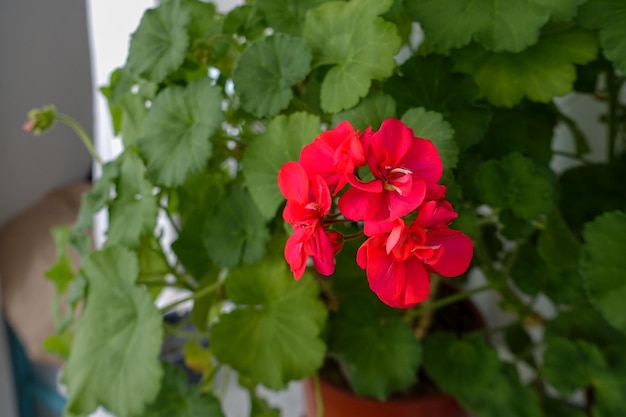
[(341, 403)]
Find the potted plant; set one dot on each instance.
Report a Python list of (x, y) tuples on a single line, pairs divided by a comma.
[(396, 131)]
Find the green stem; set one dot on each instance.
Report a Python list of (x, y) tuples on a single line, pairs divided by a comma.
[(613, 85), (413, 314), (319, 401), (353, 236), (571, 156), (170, 218), (203, 292), (81, 134), (582, 144)]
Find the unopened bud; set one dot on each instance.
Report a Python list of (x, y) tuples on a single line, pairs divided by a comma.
[(40, 120)]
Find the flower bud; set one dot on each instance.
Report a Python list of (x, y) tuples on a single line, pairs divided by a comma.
[(40, 120)]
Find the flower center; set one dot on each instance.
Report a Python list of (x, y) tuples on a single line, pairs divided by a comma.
[(399, 180), (413, 243)]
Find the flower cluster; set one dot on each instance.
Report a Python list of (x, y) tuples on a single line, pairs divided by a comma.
[(387, 181)]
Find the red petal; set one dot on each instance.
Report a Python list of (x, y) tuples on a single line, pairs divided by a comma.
[(401, 205), (457, 251), (391, 143), (293, 182), (423, 160), (324, 255), (294, 252), (360, 205)]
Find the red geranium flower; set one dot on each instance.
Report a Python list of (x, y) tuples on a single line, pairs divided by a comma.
[(334, 155), (308, 201), (398, 261), (405, 169)]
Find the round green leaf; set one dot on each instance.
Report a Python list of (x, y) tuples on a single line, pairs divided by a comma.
[(515, 182), (178, 398), (273, 335), (372, 111), (511, 25), (429, 82), (133, 213), (603, 266), (452, 362), (282, 142), (357, 44), (235, 231), (158, 45), (267, 70), (114, 359), (430, 125), (608, 16), (287, 15), (571, 364), (177, 131), (541, 72), (381, 356)]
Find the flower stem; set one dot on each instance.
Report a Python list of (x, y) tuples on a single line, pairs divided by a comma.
[(426, 319), (319, 401), (353, 236), (203, 292), (613, 84), (413, 314), (81, 134)]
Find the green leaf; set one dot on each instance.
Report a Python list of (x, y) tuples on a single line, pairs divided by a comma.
[(246, 21), (273, 334), (178, 398), (571, 364), (267, 70), (505, 395), (133, 213), (282, 142), (61, 273), (59, 345), (430, 83), (557, 245), (158, 46), (133, 110), (114, 359), (499, 26), (190, 249), (356, 44), (371, 111), (452, 362), (603, 266), (235, 231), (286, 15), (259, 407), (609, 388), (556, 408), (197, 198), (515, 182), (528, 128), (519, 342), (153, 265), (604, 187), (608, 16), (380, 356), (177, 131), (431, 125), (96, 199), (541, 72), (584, 322), (131, 218)]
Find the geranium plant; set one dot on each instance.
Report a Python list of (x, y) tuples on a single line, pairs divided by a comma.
[(313, 174)]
